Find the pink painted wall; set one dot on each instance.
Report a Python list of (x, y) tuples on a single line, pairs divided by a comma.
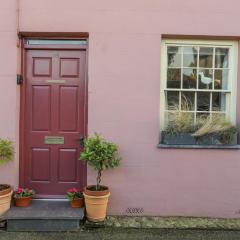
[(124, 79), (8, 90)]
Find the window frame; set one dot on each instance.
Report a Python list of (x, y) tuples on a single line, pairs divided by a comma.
[(231, 103)]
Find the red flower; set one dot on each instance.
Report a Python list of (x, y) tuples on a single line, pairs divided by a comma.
[(72, 190), (19, 190)]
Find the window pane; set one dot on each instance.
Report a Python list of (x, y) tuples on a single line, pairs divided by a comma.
[(172, 100), (221, 79), (187, 101), (55, 41), (201, 118), (174, 56), (206, 57), (205, 78), (174, 118), (218, 101), (219, 115), (221, 57), (190, 55), (189, 78), (174, 78), (203, 101)]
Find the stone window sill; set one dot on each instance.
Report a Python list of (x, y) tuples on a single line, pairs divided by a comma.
[(236, 147)]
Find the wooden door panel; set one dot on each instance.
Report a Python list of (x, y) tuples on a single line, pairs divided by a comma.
[(41, 108), (68, 112), (55, 102), (67, 165), (40, 164), (42, 67), (69, 67)]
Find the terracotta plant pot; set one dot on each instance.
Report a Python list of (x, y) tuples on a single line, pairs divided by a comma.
[(77, 203), (23, 201), (96, 203), (5, 198)]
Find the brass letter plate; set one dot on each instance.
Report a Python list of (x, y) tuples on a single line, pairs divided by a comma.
[(56, 81), (53, 140)]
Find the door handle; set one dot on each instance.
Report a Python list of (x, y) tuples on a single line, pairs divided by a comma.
[(81, 141)]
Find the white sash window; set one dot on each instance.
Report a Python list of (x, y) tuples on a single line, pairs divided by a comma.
[(199, 77)]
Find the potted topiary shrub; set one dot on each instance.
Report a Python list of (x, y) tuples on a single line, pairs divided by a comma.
[(6, 155), (100, 155), (23, 197), (75, 197)]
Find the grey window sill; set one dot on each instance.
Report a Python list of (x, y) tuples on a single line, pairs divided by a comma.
[(199, 146)]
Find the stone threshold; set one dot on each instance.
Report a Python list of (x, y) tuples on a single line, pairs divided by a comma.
[(170, 222), (44, 215)]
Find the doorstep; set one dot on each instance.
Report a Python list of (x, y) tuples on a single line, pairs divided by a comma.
[(44, 215)]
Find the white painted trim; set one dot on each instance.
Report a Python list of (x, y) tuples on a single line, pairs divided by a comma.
[(233, 63)]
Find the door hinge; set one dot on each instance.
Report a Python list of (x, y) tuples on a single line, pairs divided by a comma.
[(19, 79)]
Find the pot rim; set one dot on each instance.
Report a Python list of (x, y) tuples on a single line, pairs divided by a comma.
[(94, 196), (76, 199), (5, 191), (23, 197), (96, 193)]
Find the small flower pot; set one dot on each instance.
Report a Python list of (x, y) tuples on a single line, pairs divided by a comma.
[(77, 203), (23, 201)]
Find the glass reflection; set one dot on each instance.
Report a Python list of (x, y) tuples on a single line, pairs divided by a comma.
[(203, 101), (189, 78), (174, 57), (221, 57), (218, 101), (190, 56), (221, 79), (173, 78), (206, 57)]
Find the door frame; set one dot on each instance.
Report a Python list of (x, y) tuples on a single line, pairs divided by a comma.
[(23, 49)]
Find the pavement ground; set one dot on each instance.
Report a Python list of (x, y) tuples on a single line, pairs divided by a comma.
[(124, 233)]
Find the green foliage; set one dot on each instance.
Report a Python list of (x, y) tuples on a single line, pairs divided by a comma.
[(215, 124), (228, 135), (180, 120), (100, 154), (73, 194), (6, 151), (23, 192)]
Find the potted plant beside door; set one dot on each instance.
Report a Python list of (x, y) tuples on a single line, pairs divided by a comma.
[(6, 155), (23, 197), (75, 197), (100, 155)]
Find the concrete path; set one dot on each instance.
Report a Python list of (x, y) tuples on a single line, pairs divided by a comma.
[(125, 234)]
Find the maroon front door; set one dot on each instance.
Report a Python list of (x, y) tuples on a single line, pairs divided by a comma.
[(54, 120)]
